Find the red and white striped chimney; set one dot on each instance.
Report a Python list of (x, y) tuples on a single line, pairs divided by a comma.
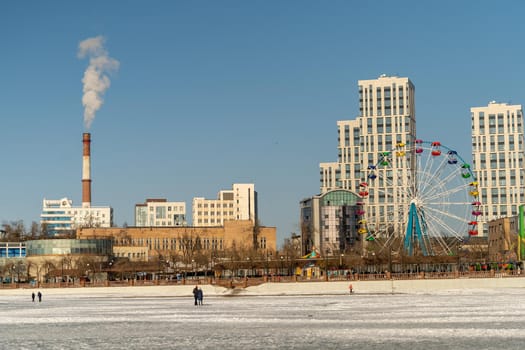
[(86, 170)]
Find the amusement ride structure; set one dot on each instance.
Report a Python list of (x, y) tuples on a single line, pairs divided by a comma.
[(422, 198)]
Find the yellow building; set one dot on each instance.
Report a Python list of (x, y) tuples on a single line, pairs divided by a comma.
[(184, 241), (503, 239)]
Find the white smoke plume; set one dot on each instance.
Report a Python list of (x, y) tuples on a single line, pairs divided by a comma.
[(95, 80)]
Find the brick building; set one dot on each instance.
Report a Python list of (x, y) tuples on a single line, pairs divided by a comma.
[(183, 241)]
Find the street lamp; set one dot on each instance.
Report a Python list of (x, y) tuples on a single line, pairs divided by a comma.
[(459, 256), (159, 261), (110, 271), (326, 265), (14, 267), (282, 261), (268, 257)]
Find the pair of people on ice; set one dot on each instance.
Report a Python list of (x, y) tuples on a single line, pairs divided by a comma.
[(39, 296), (197, 295)]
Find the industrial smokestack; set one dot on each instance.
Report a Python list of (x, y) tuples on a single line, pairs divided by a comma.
[(86, 170)]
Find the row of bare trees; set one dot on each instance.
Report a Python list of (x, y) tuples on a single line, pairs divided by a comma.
[(16, 231)]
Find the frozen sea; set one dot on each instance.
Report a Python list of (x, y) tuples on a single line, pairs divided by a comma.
[(449, 320)]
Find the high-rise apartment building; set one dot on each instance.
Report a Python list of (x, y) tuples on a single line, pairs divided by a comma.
[(387, 117), (160, 212), (239, 203), (497, 153)]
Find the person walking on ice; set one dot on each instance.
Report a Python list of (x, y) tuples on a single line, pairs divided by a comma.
[(33, 296), (351, 288), (196, 294), (39, 297), (200, 296)]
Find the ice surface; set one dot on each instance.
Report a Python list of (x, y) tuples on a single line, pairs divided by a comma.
[(80, 320)]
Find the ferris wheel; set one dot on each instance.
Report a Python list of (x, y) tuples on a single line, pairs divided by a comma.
[(420, 197)]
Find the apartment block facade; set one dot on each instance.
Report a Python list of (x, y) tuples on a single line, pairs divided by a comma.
[(239, 203), (497, 153), (387, 117), (160, 212)]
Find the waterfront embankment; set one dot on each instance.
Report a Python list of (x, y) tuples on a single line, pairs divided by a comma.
[(417, 286)]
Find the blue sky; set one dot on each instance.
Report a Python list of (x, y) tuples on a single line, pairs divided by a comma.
[(211, 93)]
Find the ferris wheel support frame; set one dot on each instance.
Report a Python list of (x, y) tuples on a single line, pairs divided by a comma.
[(414, 232)]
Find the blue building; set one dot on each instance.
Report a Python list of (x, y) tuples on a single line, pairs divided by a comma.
[(12, 249)]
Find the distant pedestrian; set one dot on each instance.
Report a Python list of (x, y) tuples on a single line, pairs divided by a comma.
[(200, 296), (39, 297), (33, 296), (351, 288), (196, 294)]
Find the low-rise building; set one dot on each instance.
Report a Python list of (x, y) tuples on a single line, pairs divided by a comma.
[(503, 239), (239, 203), (66, 257), (184, 242), (12, 250), (61, 217), (160, 212)]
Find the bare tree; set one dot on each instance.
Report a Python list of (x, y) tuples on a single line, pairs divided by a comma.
[(44, 230), (14, 231), (47, 267), (256, 232), (34, 231)]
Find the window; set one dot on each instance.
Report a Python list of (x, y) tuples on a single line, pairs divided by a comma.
[(502, 160), (388, 124), (492, 124), (160, 212), (501, 128), (501, 142), (380, 125)]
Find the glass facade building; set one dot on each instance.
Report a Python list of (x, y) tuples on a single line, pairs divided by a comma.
[(329, 222), (12, 249)]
